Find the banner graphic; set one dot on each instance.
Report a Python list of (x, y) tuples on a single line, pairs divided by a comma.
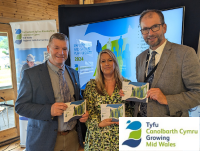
[(30, 41), (30, 45)]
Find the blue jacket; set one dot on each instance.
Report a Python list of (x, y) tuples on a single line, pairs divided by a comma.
[(34, 101)]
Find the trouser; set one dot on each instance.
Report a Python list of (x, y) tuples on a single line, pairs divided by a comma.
[(68, 142)]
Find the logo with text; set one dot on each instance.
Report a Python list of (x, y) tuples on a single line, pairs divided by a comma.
[(134, 138), (18, 33)]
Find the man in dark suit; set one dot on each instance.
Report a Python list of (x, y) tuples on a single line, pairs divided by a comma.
[(40, 99), (175, 84)]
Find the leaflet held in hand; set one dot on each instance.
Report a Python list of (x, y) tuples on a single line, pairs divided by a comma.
[(135, 91), (75, 110), (113, 111)]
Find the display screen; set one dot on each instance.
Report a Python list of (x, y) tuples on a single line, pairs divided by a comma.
[(122, 36)]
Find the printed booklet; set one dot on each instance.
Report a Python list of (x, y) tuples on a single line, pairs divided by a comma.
[(113, 111), (75, 110), (135, 91)]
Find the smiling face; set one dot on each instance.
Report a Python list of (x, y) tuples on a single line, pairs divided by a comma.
[(58, 52), (153, 39), (107, 64)]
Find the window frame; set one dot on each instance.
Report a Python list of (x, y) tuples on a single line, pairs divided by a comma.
[(10, 93)]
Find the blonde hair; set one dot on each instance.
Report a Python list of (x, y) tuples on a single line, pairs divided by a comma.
[(99, 78)]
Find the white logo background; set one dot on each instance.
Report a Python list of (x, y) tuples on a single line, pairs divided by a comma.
[(179, 141)]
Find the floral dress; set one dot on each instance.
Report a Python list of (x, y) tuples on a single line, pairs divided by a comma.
[(102, 138)]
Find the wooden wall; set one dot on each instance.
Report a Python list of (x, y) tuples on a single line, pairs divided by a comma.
[(30, 10), (96, 1), (105, 1)]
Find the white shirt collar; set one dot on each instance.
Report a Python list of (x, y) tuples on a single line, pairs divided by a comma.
[(160, 49)]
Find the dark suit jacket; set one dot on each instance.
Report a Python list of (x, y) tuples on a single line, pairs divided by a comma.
[(34, 101), (177, 76)]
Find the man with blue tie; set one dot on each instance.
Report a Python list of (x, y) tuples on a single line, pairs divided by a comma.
[(172, 70), (42, 93)]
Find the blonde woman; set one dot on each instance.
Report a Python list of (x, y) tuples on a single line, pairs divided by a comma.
[(104, 135)]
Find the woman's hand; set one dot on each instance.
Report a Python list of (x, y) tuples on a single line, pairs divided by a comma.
[(84, 117), (107, 122), (121, 93)]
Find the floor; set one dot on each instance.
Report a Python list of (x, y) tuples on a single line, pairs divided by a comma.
[(16, 147), (13, 146)]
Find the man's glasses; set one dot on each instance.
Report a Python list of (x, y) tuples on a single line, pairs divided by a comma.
[(154, 28)]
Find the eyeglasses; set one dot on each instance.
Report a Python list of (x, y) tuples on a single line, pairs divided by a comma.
[(154, 28)]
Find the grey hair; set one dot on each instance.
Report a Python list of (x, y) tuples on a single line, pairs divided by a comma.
[(59, 36)]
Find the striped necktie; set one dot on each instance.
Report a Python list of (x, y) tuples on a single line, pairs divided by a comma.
[(66, 97), (64, 89)]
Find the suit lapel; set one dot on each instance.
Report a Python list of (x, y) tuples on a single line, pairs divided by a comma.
[(72, 78), (163, 60), (143, 65), (46, 82)]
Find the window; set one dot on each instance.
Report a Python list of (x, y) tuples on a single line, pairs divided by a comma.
[(5, 70), (9, 120)]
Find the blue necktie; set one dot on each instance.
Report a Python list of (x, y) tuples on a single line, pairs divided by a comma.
[(143, 106), (66, 97)]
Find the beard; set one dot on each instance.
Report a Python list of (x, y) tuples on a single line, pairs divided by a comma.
[(156, 43)]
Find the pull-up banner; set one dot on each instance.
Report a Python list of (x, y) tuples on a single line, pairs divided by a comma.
[(30, 42)]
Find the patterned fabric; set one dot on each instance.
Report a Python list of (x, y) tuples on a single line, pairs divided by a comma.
[(65, 93), (150, 67), (143, 106), (106, 138), (64, 89)]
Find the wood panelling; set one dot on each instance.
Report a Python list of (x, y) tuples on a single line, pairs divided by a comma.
[(8, 94), (8, 134), (86, 2), (29, 10), (96, 1), (105, 1)]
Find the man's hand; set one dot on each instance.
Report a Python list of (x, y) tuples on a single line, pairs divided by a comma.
[(156, 94), (58, 108), (107, 122), (84, 117)]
